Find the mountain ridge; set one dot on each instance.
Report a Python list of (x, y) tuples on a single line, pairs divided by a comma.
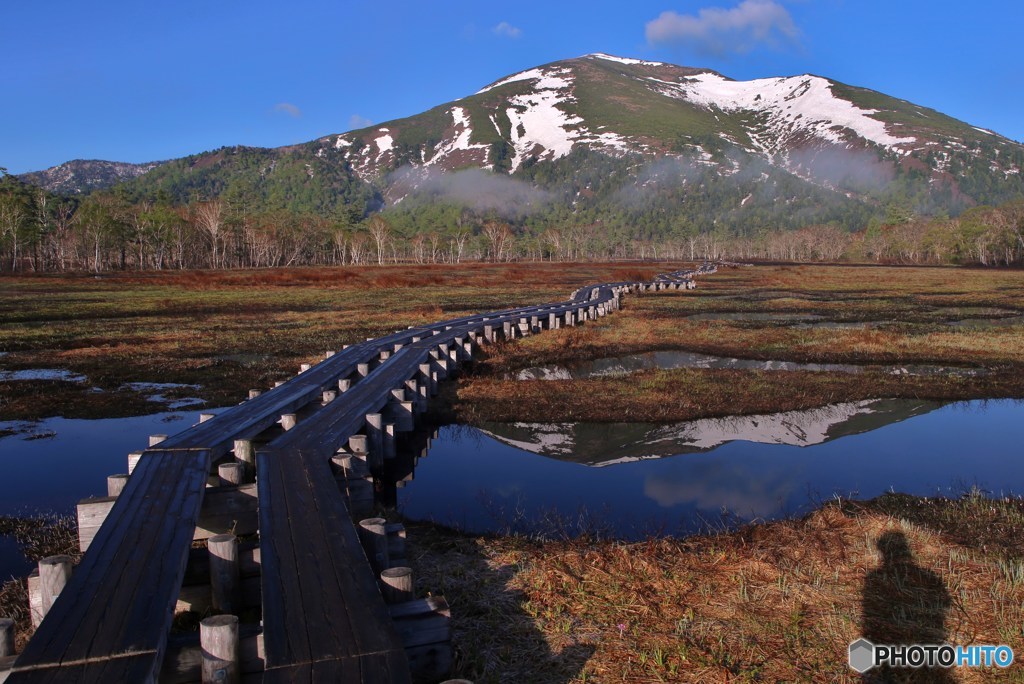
[(668, 130)]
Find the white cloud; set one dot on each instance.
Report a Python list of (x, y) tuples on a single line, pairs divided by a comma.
[(507, 30), (288, 108), (355, 121), (719, 31)]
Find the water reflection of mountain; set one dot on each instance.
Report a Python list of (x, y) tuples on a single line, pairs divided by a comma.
[(601, 444)]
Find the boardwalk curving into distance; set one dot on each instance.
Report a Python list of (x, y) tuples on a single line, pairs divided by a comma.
[(323, 590)]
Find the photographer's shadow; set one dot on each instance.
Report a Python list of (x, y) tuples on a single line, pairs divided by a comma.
[(904, 604)]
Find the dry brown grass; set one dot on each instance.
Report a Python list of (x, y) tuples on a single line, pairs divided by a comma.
[(688, 394), (38, 537), (775, 602), (232, 330), (899, 316)]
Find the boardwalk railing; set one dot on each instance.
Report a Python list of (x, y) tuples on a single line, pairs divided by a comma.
[(313, 445)]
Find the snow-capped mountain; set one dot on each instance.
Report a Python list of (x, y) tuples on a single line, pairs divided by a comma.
[(627, 142), (620, 106)]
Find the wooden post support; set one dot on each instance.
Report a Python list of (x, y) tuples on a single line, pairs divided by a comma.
[(231, 473), (412, 389), (278, 383), (6, 637), (116, 483), (357, 444), (344, 385), (244, 454), (535, 323), (441, 368), (374, 538), (506, 329), (390, 445), (362, 369), (156, 439), (288, 421), (385, 355), (329, 396), (218, 637), (305, 367), (489, 333), (133, 460), (401, 411), (375, 439), (203, 417), (253, 393), (396, 585), (54, 573), (224, 572), (425, 373)]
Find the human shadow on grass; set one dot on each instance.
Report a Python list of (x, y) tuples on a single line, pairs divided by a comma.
[(904, 604)]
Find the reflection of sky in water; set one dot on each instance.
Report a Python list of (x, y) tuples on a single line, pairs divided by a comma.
[(53, 473), (473, 480)]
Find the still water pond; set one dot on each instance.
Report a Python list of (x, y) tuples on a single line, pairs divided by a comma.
[(634, 479), (48, 466), (628, 479)]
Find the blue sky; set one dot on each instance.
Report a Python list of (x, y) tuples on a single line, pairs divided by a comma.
[(139, 81)]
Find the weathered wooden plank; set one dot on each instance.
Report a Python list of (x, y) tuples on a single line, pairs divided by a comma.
[(121, 598), (377, 668), (129, 668), (224, 509), (320, 599)]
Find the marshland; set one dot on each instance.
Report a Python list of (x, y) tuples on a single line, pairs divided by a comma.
[(764, 582)]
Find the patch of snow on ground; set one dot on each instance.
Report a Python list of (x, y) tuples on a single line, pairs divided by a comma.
[(341, 142), (806, 102), (982, 130), (622, 60)]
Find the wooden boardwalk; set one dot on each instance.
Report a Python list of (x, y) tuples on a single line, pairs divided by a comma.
[(312, 444)]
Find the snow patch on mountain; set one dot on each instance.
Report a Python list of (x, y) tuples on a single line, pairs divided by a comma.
[(795, 103), (622, 60), (552, 79), (461, 141), (384, 143), (543, 124)]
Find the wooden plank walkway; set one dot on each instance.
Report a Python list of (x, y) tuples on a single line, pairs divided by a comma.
[(113, 616), (323, 615)]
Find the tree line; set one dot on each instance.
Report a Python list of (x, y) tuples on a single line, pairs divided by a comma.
[(104, 231)]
